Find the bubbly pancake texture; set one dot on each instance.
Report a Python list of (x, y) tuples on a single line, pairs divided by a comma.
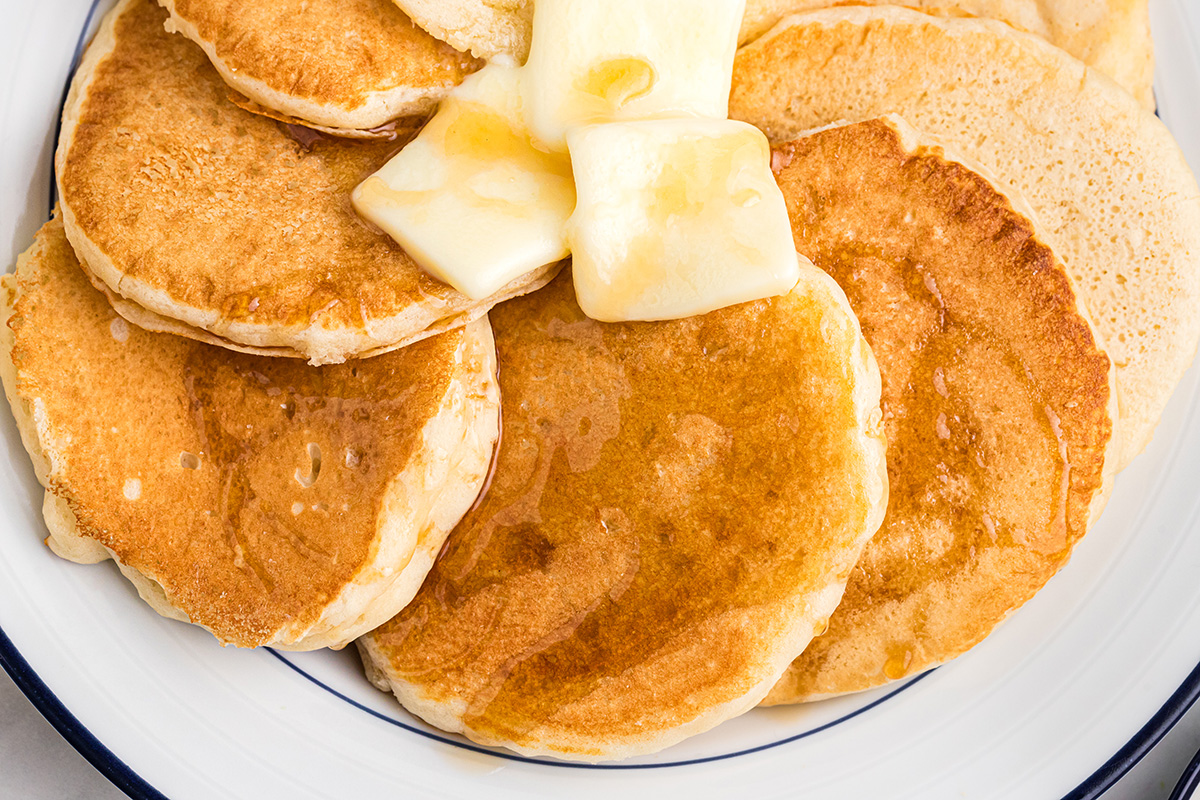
[(998, 403), (1112, 36), (1107, 183), (674, 511), (350, 64), (221, 222), (271, 502)]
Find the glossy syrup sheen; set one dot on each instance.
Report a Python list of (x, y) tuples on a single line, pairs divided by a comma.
[(259, 481), (483, 149), (612, 84), (995, 399), (667, 498)]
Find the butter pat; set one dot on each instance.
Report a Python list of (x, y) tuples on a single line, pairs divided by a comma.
[(676, 218), (471, 199), (594, 62)]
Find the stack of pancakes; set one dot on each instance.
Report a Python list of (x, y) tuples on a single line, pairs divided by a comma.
[(582, 539)]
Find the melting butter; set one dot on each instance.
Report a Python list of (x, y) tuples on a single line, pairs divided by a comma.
[(628, 59), (676, 218), (471, 199)]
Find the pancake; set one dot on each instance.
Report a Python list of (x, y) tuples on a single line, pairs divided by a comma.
[(485, 28), (998, 401), (1112, 36), (271, 502), (338, 64), (220, 224), (610, 595), (1107, 183)]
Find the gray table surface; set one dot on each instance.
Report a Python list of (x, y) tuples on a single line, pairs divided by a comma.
[(38, 764)]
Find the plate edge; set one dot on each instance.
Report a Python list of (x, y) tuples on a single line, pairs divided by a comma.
[(70, 728)]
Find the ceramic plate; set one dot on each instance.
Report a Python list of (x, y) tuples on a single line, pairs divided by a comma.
[(1060, 701)]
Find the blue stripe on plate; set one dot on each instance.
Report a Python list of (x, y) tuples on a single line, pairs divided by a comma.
[(70, 727), (78, 54), (571, 765)]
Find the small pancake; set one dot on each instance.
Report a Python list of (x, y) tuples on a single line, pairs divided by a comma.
[(998, 403), (352, 64), (271, 502), (674, 510), (1111, 35), (1106, 181), (224, 226)]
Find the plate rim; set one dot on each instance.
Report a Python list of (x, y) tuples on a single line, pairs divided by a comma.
[(121, 775), (1189, 781), (128, 781)]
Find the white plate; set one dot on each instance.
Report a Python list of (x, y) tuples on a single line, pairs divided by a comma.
[(1059, 702)]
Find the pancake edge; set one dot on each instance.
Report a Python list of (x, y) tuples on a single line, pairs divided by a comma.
[(148, 320), (479, 37)]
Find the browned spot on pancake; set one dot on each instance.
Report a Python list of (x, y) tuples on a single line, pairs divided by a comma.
[(995, 399), (668, 500), (230, 514), (336, 52)]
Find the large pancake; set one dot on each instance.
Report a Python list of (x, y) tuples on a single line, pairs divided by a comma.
[(1111, 35), (674, 511), (271, 502), (351, 64), (1107, 183), (218, 224), (998, 402)]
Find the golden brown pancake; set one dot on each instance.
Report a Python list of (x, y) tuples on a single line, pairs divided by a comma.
[(1106, 181), (674, 511), (338, 64), (271, 502), (1112, 36), (998, 402), (221, 226)]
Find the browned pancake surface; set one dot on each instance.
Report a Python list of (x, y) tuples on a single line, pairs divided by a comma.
[(335, 54), (250, 488), (201, 212), (996, 400), (674, 508)]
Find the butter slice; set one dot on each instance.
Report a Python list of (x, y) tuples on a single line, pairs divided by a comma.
[(471, 199), (593, 62), (676, 218)]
